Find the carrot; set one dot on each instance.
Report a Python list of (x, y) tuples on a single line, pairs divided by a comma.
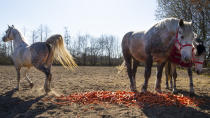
[(126, 98)]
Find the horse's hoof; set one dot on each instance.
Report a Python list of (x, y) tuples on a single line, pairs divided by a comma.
[(47, 90), (175, 92), (134, 90), (31, 85), (192, 94), (143, 90), (158, 90), (16, 89)]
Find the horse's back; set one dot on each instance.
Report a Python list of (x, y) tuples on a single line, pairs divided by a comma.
[(39, 52)]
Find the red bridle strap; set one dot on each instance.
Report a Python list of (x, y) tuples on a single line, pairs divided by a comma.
[(177, 41), (197, 62)]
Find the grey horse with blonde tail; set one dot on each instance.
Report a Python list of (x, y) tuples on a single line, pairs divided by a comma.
[(155, 44), (40, 55)]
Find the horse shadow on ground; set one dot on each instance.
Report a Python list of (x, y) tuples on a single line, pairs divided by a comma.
[(179, 112), (11, 107)]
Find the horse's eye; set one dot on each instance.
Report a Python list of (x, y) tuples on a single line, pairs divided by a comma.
[(182, 37)]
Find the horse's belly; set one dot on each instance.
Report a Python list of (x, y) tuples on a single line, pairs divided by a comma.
[(27, 58), (137, 50), (140, 58), (159, 58), (139, 55)]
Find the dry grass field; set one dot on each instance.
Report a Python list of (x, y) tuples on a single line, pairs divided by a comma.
[(28, 103)]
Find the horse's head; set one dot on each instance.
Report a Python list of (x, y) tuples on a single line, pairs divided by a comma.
[(9, 35), (199, 52), (184, 36)]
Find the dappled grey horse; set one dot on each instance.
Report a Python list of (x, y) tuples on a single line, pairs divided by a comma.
[(155, 44), (40, 55), (199, 53)]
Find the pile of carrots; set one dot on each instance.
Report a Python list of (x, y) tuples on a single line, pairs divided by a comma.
[(127, 98)]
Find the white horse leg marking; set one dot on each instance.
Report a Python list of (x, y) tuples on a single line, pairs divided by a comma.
[(28, 79), (173, 68)]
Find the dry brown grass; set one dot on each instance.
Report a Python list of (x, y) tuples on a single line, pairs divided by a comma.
[(28, 103)]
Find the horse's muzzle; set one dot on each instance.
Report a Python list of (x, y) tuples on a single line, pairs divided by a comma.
[(186, 59)]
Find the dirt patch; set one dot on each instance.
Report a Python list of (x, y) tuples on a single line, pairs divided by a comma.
[(29, 102)]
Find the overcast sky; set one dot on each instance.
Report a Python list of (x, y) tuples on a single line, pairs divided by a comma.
[(94, 17)]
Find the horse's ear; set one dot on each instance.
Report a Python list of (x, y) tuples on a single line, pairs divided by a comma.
[(195, 35), (13, 26), (181, 23)]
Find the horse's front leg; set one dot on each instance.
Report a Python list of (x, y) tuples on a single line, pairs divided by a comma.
[(174, 73), (159, 76), (189, 70), (167, 74), (27, 78), (147, 73), (18, 77)]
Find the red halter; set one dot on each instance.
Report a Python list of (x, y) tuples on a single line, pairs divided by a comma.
[(175, 55), (177, 41), (195, 60)]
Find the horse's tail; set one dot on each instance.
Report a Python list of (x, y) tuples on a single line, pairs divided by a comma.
[(124, 46), (120, 67), (60, 53)]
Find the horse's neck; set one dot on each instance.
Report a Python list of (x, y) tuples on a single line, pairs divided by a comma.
[(19, 41)]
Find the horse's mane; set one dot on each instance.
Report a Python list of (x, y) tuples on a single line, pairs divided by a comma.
[(172, 23), (17, 32)]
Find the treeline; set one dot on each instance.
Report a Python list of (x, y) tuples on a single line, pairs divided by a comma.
[(86, 49)]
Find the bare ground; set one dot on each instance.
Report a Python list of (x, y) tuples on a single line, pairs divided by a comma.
[(29, 103)]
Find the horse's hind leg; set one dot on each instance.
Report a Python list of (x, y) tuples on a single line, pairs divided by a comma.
[(189, 70), (174, 73), (128, 61), (47, 71), (18, 77), (147, 73), (28, 79), (159, 76), (167, 74), (135, 66)]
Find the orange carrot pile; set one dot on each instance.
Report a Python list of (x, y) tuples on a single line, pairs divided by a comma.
[(127, 98)]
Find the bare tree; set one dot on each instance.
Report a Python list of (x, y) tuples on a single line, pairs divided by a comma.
[(41, 33), (109, 41), (94, 50), (82, 46), (101, 42), (46, 32), (67, 37), (34, 36)]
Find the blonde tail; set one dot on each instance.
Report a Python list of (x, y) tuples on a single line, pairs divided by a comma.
[(121, 67), (61, 54)]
